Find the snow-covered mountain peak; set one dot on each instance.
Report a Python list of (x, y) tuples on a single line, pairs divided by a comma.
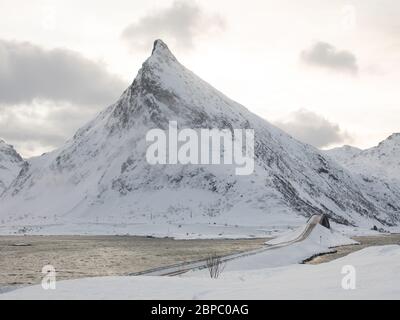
[(165, 90), (388, 148), (161, 50), (379, 161), (4, 145), (392, 140), (137, 103), (395, 135), (102, 173), (9, 151), (160, 57), (10, 164)]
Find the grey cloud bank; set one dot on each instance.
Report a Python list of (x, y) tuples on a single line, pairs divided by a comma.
[(32, 127), (46, 94), (323, 54), (313, 129), (179, 24), (29, 72)]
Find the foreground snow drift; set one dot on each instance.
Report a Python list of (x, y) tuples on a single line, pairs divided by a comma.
[(377, 277)]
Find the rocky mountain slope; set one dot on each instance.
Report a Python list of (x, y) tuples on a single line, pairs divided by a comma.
[(10, 165), (101, 175), (377, 169)]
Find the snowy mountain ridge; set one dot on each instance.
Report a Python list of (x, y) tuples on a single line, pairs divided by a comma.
[(382, 160), (101, 174), (10, 165), (343, 154)]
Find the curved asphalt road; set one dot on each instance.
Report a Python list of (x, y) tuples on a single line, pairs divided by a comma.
[(201, 264)]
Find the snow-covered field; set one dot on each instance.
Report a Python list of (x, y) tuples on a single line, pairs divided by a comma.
[(377, 277), (212, 230), (215, 228), (161, 230), (272, 274)]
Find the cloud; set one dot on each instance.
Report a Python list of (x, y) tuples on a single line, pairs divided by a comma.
[(29, 72), (34, 129), (313, 129), (181, 23), (323, 54)]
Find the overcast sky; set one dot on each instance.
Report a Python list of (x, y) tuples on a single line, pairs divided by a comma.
[(328, 72)]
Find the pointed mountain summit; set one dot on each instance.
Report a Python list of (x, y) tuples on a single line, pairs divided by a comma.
[(102, 176), (161, 50)]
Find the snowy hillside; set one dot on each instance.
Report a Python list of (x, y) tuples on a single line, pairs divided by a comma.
[(377, 169), (10, 165), (101, 175), (380, 161)]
